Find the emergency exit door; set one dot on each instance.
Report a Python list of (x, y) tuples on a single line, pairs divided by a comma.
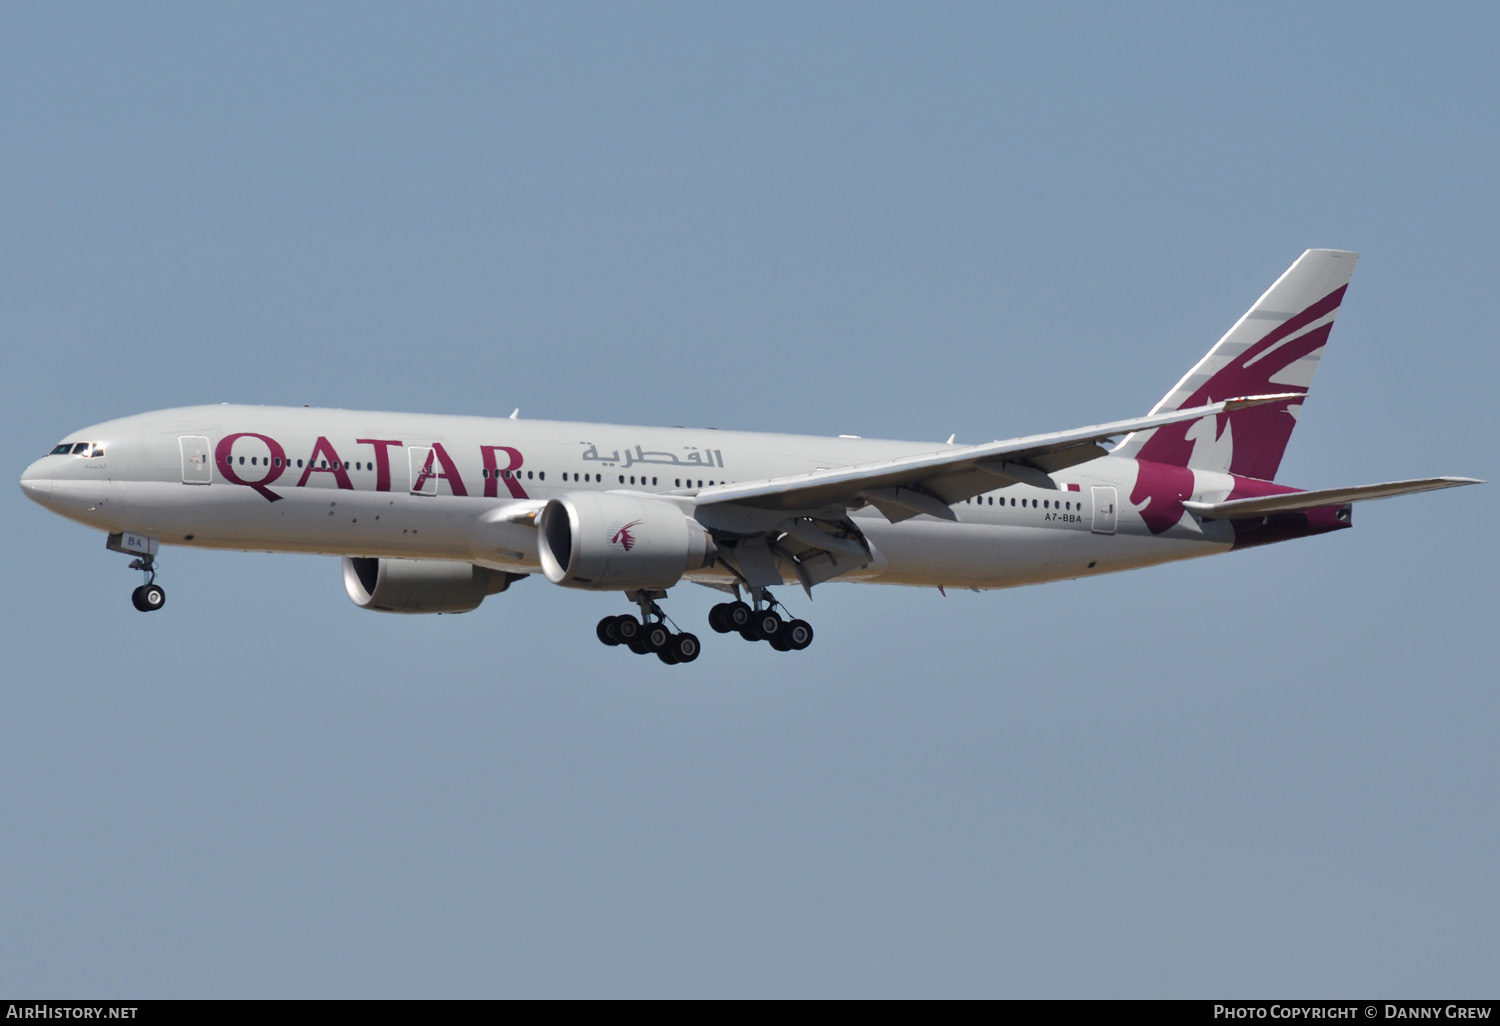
[(1105, 516), (196, 468)]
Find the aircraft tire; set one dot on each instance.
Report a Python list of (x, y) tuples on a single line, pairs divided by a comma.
[(657, 637), (685, 647), (737, 615), (151, 598), (799, 635), (718, 618), (769, 625), (606, 631)]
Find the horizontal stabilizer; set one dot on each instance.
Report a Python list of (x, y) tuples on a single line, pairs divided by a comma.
[(1301, 502)]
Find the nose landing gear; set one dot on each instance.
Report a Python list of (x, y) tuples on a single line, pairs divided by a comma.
[(150, 596)]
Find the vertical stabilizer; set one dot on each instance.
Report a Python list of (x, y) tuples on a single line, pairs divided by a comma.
[(1274, 348)]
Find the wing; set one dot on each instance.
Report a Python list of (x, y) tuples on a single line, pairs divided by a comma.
[(930, 483), (802, 521)]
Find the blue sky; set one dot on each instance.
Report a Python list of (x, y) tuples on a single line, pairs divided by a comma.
[(1267, 774)]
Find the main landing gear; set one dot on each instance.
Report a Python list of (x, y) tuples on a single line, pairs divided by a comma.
[(650, 633), (761, 622), (149, 597)]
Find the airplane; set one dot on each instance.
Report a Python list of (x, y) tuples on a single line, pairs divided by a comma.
[(432, 514)]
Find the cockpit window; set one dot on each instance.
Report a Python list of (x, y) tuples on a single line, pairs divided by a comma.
[(88, 450)]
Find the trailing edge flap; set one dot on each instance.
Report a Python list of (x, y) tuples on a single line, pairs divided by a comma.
[(1301, 502), (904, 487)]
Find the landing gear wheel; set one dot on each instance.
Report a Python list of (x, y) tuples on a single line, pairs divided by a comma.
[(684, 647), (798, 634), (768, 625), (656, 637), (607, 631), (737, 616), (667, 656), (148, 598), (627, 629), (718, 618)]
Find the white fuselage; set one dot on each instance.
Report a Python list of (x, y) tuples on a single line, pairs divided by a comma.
[(355, 483)]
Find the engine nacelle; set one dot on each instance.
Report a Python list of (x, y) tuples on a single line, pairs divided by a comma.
[(420, 585), (602, 541)]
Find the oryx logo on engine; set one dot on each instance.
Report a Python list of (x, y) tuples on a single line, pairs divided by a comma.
[(623, 536)]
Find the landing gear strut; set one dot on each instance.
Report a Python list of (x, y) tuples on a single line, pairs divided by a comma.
[(761, 622), (650, 633)]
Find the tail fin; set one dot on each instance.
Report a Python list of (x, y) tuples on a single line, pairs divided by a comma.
[(1273, 348)]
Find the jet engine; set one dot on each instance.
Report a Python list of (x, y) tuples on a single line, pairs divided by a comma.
[(420, 585), (608, 542)]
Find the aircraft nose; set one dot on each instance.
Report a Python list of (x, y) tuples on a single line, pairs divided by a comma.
[(37, 484)]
